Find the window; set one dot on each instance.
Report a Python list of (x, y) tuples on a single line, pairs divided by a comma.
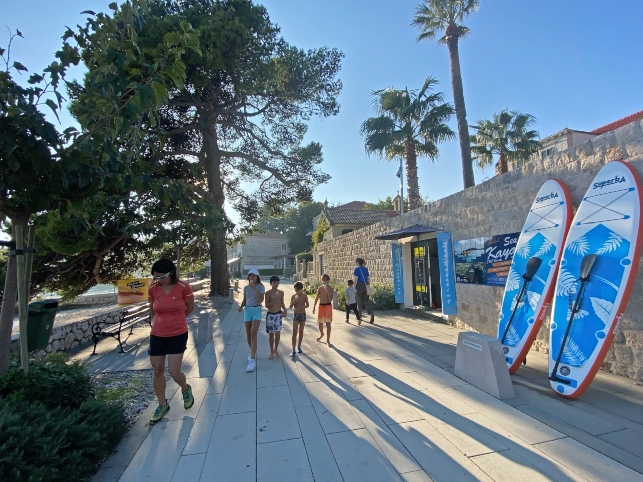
[(346, 231), (284, 246), (547, 152)]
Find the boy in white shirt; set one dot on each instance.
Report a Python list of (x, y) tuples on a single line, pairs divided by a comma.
[(351, 302)]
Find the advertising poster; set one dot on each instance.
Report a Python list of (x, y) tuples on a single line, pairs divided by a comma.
[(132, 290), (447, 276), (484, 261), (398, 280)]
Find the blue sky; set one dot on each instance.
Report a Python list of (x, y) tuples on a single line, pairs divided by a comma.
[(570, 63)]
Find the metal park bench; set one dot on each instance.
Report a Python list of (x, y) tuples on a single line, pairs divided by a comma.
[(128, 319)]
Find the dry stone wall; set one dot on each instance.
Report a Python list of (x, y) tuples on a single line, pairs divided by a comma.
[(500, 205)]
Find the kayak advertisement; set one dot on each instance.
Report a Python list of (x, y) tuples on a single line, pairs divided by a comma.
[(484, 260)]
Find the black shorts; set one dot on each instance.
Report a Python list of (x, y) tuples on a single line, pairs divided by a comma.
[(168, 345)]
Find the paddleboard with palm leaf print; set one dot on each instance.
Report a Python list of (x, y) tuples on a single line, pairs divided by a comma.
[(606, 224), (526, 301)]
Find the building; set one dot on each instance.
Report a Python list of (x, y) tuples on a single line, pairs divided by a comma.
[(268, 250)]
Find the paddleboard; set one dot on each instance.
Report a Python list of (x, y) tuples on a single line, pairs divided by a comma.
[(606, 224), (525, 302)]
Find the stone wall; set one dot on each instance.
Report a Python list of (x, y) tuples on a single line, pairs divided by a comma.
[(500, 205)]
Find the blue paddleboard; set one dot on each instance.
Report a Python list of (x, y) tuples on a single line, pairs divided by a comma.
[(606, 225), (526, 301)]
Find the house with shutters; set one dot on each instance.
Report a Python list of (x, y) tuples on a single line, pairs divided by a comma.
[(262, 251)]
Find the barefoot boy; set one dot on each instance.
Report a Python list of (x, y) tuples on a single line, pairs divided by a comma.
[(299, 302), (276, 310), (325, 298)]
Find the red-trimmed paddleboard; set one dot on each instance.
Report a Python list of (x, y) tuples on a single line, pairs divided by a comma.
[(607, 224), (525, 303)]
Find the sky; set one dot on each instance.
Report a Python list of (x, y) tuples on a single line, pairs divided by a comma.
[(569, 63)]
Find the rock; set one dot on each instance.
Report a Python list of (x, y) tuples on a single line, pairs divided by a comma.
[(69, 340)]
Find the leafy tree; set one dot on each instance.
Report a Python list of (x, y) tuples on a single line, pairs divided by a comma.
[(410, 123), (44, 170), (508, 136), (295, 223), (434, 17), (241, 115)]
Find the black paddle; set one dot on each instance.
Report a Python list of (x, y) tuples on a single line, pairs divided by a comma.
[(532, 266), (585, 268)]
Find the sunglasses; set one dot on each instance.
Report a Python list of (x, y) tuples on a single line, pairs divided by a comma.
[(161, 276)]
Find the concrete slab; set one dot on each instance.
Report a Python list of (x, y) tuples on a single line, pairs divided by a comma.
[(240, 394), (335, 414), (627, 439), (271, 374), (189, 468), (283, 460), (159, 455), (390, 406), (436, 375), (392, 377), (417, 476), (587, 462), (298, 392), (199, 390), (276, 418), (508, 466), (200, 435), (233, 448), (359, 459), (320, 457), (437, 456), (108, 474), (217, 384), (388, 444)]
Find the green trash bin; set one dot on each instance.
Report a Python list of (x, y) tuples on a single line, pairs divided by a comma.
[(40, 321)]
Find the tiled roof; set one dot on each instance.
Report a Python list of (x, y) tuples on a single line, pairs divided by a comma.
[(619, 123), (361, 217), (352, 205)]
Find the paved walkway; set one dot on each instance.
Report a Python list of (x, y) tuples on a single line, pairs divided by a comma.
[(380, 405)]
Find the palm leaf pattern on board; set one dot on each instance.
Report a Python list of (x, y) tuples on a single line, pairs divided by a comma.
[(533, 298), (523, 251), (572, 354), (546, 246), (513, 281), (602, 308), (513, 303), (579, 314), (566, 283), (512, 338), (611, 244), (579, 247)]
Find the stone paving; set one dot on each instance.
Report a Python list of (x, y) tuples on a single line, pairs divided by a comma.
[(382, 404)]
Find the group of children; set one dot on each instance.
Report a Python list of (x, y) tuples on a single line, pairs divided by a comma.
[(254, 294)]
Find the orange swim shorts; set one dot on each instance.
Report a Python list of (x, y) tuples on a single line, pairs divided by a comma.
[(325, 313)]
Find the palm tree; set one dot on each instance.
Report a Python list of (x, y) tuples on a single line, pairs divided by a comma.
[(409, 124), (434, 17), (508, 136)]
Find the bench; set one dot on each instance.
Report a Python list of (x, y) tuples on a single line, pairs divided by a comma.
[(128, 319)]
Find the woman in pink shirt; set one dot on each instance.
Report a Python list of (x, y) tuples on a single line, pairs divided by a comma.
[(171, 301)]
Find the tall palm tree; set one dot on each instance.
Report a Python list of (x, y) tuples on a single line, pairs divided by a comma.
[(434, 17), (508, 136), (409, 124)]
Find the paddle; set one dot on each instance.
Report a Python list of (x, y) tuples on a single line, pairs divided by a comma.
[(585, 268), (532, 266)]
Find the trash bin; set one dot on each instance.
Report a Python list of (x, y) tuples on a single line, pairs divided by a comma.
[(40, 321)]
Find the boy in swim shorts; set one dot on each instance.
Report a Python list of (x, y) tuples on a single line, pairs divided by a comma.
[(299, 302), (325, 297), (276, 310)]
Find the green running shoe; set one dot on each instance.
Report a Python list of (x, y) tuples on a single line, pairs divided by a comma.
[(159, 413), (188, 399)]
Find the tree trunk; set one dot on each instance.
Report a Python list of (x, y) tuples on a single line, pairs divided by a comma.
[(460, 112), (179, 251), (8, 311), (219, 278), (502, 165), (413, 188)]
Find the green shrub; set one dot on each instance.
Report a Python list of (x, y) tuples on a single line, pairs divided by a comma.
[(51, 380), (43, 444), (290, 271), (383, 297)]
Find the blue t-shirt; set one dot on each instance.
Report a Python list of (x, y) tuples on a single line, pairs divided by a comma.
[(362, 274)]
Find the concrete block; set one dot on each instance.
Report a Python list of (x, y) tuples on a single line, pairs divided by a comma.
[(481, 362), (205, 327)]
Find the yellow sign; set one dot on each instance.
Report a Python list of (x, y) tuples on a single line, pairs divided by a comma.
[(132, 290)]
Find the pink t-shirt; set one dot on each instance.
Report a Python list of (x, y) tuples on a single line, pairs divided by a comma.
[(169, 309)]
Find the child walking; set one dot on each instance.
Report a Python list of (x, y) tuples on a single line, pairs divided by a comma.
[(253, 295), (276, 310), (351, 302), (299, 302), (325, 298)]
